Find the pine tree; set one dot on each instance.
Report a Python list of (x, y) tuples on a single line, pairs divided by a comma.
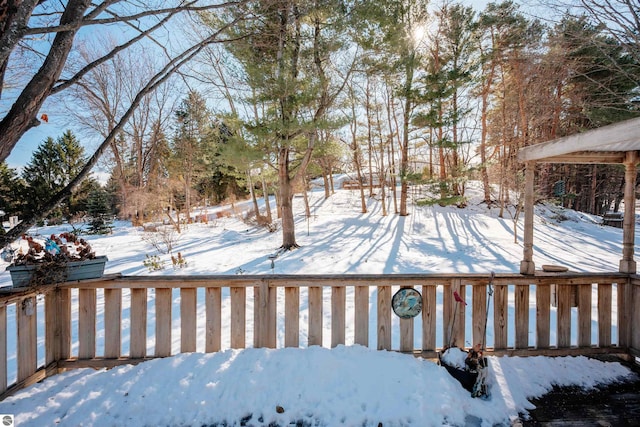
[(11, 191), (98, 209), (52, 166)]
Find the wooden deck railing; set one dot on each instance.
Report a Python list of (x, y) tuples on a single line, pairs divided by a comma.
[(116, 320)]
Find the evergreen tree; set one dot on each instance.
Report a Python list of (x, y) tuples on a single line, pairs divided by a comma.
[(192, 150), (11, 191), (285, 55), (52, 166), (100, 212)]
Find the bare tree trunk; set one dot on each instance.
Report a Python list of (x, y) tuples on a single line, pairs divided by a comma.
[(325, 182), (267, 203), (307, 208), (254, 199), (22, 115), (355, 150), (369, 137), (285, 189)]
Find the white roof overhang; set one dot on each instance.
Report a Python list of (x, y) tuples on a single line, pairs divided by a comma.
[(607, 144)]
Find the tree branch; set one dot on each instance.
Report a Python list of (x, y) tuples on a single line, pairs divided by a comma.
[(163, 75)]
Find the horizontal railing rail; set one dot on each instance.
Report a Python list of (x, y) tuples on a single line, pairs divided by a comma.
[(126, 319)]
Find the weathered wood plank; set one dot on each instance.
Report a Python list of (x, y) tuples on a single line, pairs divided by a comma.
[(188, 315), (429, 318), (26, 319), (163, 322), (479, 314), (543, 316), (260, 314), (584, 315), (112, 323), (338, 316), (86, 323), (273, 317), (635, 338), (213, 325), (238, 317), (64, 319), (384, 318), (291, 317), (338, 280), (522, 316), (447, 314), (361, 324), (406, 332), (51, 332), (564, 315), (605, 298), (459, 309), (406, 335), (3, 349), (624, 313), (501, 316), (138, 328), (315, 315)]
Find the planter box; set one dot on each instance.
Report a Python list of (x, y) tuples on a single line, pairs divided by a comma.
[(21, 275)]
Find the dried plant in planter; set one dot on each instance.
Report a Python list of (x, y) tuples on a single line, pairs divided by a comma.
[(52, 257)]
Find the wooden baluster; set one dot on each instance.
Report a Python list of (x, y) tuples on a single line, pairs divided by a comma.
[(112, 323), (543, 316), (87, 323), (315, 315), (238, 317), (292, 317), (138, 328), (429, 320), (584, 315), (338, 320), (604, 314), (213, 334), (384, 317), (361, 301)]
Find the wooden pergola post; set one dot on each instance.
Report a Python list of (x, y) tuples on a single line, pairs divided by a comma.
[(627, 263), (527, 265)]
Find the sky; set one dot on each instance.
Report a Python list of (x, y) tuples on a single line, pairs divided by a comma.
[(349, 385)]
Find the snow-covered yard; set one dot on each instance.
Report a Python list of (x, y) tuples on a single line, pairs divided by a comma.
[(348, 385)]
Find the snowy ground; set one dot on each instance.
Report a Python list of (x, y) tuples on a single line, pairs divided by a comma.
[(349, 385)]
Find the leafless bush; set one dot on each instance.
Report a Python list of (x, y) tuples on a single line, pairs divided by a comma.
[(163, 238)]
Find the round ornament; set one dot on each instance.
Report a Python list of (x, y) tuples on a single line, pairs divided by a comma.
[(407, 303)]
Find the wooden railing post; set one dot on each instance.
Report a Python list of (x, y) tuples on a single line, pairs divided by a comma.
[(479, 314), (522, 316), (213, 334), (429, 310), (138, 328), (384, 318), (584, 315), (315, 315), (238, 317), (604, 314), (338, 321), (261, 315), (52, 327), (635, 321), (500, 317), (112, 323), (361, 321), (163, 322), (543, 316), (188, 314), (87, 323), (3, 349), (625, 295), (26, 320)]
